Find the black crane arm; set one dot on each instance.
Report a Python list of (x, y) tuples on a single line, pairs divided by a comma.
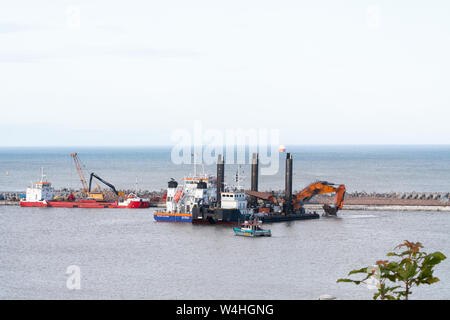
[(93, 175)]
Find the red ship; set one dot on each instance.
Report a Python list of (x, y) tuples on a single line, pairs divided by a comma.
[(41, 195), (130, 203)]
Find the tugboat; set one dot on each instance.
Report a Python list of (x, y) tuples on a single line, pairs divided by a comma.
[(132, 201), (252, 229)]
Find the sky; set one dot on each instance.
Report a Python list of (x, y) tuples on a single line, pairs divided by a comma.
[(114, 73)]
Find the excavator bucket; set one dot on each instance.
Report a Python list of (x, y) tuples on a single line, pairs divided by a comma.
[(330, 210)]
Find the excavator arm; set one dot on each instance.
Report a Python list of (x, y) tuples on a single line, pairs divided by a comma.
[(321, 187), (93, 175), (313, 189), (338, 201)]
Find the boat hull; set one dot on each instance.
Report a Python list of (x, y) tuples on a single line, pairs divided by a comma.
[(85, 204), (252, 233), (136, 205), (41, 204), (172, 217), (203, 215), (212, 222)]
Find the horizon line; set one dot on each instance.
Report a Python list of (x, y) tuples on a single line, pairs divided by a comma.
[(171, 145)]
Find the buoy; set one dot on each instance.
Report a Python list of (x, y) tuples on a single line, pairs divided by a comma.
[(7, 173), (282, 148)]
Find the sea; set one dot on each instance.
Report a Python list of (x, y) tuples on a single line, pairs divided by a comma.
[(125, 254), (360, 168)]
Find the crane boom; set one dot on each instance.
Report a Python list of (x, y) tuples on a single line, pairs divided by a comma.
[(80, 172)]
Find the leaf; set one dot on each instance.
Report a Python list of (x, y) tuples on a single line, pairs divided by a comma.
[(362, 270), (434, 258), (413, 246), (393, 254), (390, 277), (432, 280), (348, 280), (403, 274), (392, 266), (411, 269), (382, 262), (405, 261), (426, 272), (395, 288)]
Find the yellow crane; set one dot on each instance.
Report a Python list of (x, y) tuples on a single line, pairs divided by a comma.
[(86, 190), (80, 172)]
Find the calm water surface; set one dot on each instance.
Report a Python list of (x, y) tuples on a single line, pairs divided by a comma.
[(125, 254), (360, 168)]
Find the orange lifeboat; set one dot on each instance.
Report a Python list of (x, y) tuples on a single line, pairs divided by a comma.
[(178, 195)]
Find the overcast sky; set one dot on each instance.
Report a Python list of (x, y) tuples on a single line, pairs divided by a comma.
[(129, 72)]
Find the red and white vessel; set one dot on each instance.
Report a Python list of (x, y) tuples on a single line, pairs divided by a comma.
[(133, 202), (41, 195)]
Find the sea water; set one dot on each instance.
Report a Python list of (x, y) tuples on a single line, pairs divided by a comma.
[(360, 168), (124, 253)]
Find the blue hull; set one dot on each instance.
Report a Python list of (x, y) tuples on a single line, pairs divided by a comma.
[(172, 217)]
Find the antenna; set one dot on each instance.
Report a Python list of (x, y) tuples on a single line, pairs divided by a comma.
[(239, 178), (42, 174), (136, 185), (195, 164)]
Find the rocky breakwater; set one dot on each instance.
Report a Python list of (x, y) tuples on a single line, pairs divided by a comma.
[(404, 201)]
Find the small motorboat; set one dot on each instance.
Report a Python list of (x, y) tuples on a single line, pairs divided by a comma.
[(252, 229)]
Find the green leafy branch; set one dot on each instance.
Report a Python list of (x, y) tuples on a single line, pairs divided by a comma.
[(395, 279)]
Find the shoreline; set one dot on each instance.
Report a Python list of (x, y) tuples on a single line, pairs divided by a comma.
[(362, 201), (350, 207), (9, 203), (375, 207)]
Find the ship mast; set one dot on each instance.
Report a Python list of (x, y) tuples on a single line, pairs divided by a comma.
[(195, 164), (238, 179), (42, 174)]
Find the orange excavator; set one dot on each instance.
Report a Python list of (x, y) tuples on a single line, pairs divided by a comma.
[(321, 187), (315, 188)]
